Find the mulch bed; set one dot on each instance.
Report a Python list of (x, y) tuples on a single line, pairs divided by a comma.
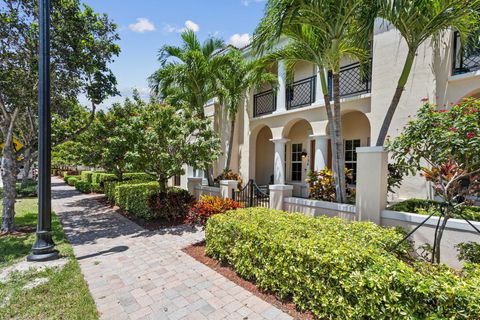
[(149, 225), (19, 232), (197, 251)]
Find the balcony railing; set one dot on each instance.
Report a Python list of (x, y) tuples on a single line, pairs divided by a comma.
[(264, 103), (353, 80), (301, 93), (465, 59)]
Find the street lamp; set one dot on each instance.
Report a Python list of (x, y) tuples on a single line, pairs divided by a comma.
[(44, 249)]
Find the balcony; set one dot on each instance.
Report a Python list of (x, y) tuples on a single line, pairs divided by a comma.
[(465, 59), (301, 93), (264, 103), (353, 81)]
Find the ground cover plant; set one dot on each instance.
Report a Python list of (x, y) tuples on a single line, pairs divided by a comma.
[(339, 269), (209, 206), (67, 292)]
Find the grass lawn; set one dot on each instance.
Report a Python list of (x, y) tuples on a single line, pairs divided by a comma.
[(64, 296)]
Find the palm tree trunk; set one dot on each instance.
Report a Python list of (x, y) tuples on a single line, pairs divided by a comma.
[(396, 98), (331, 132), (339, 150), (230, 145), (9, 178)]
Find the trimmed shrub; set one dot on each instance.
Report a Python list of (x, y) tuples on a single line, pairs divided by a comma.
[(137, 176), (133, 197), (173, 205), (83, 186), (469, 252), (209, 206), (86, 176), (339, 269), (71, 180), (426, 207)]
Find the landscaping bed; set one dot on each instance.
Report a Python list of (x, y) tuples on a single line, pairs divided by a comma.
[(197, 251), (339, 269), (427, 207)]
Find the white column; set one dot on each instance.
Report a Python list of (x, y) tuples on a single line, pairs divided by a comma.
[(278, 193), (282, 87), (321, 151), (319, 91), (227, 187), (279, 161), (192, 184), (372, 183)]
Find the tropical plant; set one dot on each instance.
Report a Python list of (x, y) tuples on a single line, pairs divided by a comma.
[(170, 138), (235, 77), (443, 145), (323, 33), (418, 21), (209, 206), (322, 184)]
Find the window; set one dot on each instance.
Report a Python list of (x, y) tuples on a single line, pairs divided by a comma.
[(297, 162), (177, 181), (351, 158)]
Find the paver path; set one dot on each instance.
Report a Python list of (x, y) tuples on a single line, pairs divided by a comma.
[(137, 274)]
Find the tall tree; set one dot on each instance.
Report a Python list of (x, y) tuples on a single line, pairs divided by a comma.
[(82, 46), (170, 137), (187, 74), (418, 21), (322, 32), (236, 76)]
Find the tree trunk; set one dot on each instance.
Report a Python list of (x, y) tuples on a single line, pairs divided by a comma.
[(230, 145), (339, 150), (162, 182), (396, 98), (27, 164), (438, 242), (9, 178)]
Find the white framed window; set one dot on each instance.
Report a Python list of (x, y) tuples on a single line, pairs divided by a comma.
[(296, 165), (351, 158)]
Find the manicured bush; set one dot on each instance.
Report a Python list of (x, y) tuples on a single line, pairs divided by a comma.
[(71, 180), (138, 176), (209, 206), (469, 252), (96, 177), (83, 186), (173, 205), (427, 207), (133, 197), (86, 176), (339, 269)]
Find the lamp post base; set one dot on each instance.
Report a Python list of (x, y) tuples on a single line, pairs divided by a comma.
[(43, 249)]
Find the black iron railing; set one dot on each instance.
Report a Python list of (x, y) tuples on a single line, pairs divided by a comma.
[(252, 196), (264, 103), (353, 80), (465, 59), (301, 93)]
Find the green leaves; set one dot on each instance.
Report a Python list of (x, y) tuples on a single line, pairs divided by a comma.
[(338, 269)]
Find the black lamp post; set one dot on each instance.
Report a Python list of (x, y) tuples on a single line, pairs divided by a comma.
[(44, 248)]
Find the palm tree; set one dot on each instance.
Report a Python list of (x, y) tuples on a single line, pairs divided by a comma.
[(417, 21), (235, 78), (322, 32), (187, 74)]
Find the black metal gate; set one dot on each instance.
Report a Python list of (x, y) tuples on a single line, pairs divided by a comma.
[(252, 195)]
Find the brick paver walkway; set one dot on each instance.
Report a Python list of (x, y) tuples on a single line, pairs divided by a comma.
[(137, 274)]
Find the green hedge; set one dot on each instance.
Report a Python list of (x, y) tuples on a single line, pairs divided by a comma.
[(86, 176), (83, 186), (71, 180), (338, 269), (133, 197), (422, 206)]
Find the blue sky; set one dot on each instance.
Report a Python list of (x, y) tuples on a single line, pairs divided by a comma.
[(146, 25)]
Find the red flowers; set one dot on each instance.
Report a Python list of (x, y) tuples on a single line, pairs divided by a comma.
[(471, 135), (453, 129)]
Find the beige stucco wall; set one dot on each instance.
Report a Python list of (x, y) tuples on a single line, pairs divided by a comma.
[(264, 152), (355, 125)]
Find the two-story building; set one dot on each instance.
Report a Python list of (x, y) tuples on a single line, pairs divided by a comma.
[(281, 135)]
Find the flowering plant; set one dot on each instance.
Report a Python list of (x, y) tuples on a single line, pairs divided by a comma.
[(209, 206)]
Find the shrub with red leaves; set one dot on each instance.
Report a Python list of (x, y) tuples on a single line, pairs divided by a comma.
[(171, 206), (209, 206)]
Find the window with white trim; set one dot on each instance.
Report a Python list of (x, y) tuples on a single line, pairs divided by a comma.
[(351, 158), (297, 161)]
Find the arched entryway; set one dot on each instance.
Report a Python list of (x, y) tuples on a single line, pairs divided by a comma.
[(264, 155), (298, 155)]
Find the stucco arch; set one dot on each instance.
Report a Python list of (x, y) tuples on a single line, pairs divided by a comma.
[(261, 154), (355, 125), (290, 124)]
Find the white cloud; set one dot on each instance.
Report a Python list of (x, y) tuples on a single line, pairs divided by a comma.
[(142, 25), (189, 25), (240, 40), (246, 3)]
